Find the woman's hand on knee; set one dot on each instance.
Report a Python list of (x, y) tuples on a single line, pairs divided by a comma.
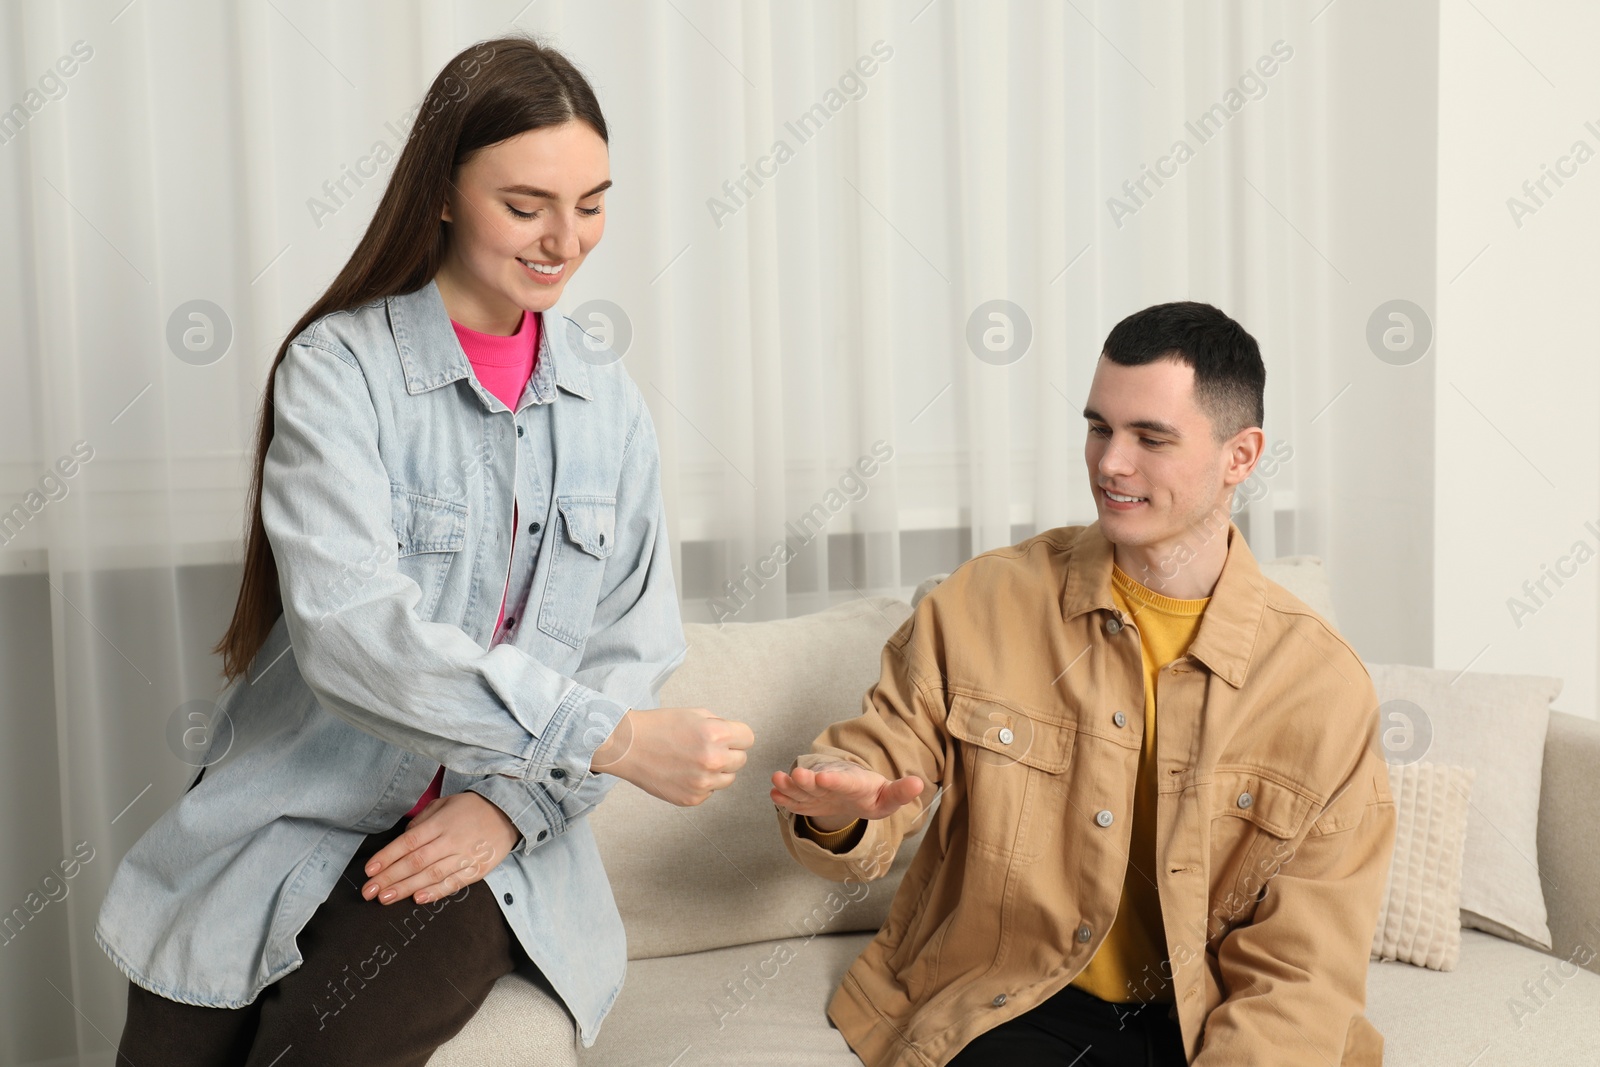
[(453, 842)]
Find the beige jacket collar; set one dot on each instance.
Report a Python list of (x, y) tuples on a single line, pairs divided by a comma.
[(1231, 624)]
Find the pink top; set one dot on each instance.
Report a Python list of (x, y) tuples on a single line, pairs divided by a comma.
[(503, 366)]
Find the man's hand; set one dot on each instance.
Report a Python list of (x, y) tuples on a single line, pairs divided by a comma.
[(837, 793), (452, 842), (681, 755)]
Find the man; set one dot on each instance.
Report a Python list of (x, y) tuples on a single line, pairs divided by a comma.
[(1165, 822)]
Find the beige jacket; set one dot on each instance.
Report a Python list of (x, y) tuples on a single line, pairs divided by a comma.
[(1275, 821)]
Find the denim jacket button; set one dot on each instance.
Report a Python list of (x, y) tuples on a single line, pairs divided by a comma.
[(533, 527), (999, 1000), (558, 773), (1103, 817), (1113, 625), (1120, 719), (1245, 800), (519, 431), (542, 835), (508, 898), (1006, 736), (1084, 933)]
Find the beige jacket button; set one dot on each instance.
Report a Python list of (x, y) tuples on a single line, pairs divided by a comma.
[(999, 1001), (1084, 933), (1103, 817), (1245, 800), (1006, 736), (1113, 625), (1120, 719)]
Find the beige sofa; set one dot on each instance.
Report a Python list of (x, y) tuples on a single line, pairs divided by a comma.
[(735, 949)]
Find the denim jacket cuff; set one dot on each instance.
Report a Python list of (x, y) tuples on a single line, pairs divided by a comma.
[(529, 807), (564, 750)]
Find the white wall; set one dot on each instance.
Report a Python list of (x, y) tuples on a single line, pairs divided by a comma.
[(1517, 389), (1378, 154)]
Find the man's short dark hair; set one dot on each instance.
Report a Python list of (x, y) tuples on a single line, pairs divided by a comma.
[(1229, 378)]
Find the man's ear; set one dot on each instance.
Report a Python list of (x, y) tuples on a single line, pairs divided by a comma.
[(1246, 450)]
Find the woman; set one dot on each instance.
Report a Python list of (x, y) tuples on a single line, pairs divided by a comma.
[(503, 647)]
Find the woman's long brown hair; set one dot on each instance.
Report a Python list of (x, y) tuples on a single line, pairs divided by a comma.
[(490, 92)]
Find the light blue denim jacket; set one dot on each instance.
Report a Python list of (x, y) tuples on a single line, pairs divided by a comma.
[(387, 497)]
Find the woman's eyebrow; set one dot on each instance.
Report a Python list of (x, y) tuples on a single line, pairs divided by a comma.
[(528, 190)]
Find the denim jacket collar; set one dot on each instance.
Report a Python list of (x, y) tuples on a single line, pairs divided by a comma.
[(1232, 620), (432, 355)]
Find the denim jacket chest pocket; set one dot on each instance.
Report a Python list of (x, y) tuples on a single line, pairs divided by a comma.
[(573, 582), (429, 533)]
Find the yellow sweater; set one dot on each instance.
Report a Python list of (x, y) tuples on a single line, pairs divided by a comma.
[(1131, 964)]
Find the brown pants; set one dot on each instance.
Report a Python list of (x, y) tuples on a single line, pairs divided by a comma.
[(381, 985)]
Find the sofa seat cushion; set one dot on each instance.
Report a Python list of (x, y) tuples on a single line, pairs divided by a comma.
[(764, 1003), (1430, 1018), (520, 1024)]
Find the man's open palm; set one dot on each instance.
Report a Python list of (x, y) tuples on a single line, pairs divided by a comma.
[(834, 794)]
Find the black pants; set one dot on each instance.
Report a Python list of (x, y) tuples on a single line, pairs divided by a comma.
[(1077, 1029), (380, 986)]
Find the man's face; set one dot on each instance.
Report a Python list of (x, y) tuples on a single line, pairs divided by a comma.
[(1146, 438)]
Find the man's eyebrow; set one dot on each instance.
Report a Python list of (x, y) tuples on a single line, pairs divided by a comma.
[(529, 190), (1153, 425)]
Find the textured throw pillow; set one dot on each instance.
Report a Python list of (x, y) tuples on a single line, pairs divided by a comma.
[(1495, 724), (1420, 920)]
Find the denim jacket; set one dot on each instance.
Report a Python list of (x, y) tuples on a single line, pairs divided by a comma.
[(387, 497)]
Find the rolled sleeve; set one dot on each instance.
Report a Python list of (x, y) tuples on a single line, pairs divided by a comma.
[(865, 859), (530, 808)]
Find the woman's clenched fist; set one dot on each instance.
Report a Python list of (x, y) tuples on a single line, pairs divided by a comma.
[(681, 755)]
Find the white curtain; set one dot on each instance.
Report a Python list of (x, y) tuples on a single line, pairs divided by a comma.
[(786, 309)]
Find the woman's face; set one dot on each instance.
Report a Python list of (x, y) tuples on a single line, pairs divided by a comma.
[(523, 214)]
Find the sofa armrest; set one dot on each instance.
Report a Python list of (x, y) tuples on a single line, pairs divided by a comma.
[(1569, 837)]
